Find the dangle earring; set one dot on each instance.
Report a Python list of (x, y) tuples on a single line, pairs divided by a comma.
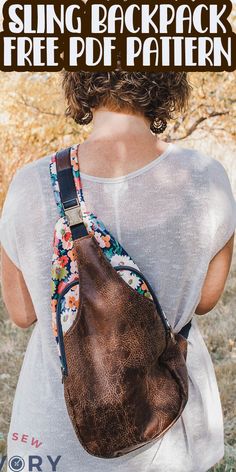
[(158, 126), (86, 119)]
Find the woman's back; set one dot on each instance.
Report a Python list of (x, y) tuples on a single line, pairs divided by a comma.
[(172, 216)]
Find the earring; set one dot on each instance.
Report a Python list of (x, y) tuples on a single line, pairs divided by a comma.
[(158, 126), (86, 119)]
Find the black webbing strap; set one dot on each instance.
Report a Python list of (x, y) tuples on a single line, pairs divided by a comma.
[(185, 330), (68, 194)]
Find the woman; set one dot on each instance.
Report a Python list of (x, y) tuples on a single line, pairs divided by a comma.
[(173, 210)]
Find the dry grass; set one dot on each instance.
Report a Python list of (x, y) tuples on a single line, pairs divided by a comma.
[(13, 342), (219, 328)]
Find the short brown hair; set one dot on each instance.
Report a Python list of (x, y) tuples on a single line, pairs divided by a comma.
[(155, 95)]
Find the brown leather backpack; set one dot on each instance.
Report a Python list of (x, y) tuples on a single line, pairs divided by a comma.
[(125, 376)]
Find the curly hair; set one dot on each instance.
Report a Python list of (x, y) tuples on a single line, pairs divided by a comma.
[(155, 95)]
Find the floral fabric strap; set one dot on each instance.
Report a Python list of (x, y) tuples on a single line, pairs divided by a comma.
[(64, 264)]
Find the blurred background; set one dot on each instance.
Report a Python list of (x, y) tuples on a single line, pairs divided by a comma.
[(33, 124)]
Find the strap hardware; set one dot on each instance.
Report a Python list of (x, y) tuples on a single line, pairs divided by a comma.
[(68, 194), (74, 215)]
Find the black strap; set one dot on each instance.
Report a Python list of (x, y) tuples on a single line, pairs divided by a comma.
[(68, 191), (185, 330)]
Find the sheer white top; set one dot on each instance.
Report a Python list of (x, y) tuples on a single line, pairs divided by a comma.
[(172, 216)]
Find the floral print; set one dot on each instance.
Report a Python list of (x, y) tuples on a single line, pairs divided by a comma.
[(64, 267)]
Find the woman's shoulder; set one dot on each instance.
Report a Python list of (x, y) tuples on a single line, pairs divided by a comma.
[(33, 168), (200, 163), (193, 156), (29, 182)]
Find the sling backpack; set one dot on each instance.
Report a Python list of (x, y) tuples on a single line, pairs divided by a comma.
[(123, 368)]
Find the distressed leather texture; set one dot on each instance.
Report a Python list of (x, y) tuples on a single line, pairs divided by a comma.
[(127, 380)]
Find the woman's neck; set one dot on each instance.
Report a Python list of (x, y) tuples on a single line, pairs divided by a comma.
[(110, 123), (119, 143)]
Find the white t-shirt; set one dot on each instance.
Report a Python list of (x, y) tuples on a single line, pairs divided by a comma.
[(172, 216)]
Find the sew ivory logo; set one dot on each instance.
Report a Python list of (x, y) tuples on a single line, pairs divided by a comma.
[(29, 463)]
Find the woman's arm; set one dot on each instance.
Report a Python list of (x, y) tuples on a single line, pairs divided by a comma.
[(20, 307), (15, 293), (216, 277)]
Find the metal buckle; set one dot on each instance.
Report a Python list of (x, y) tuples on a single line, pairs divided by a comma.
[(64, 374), (172, 334), (169, 328), (74, 215)]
